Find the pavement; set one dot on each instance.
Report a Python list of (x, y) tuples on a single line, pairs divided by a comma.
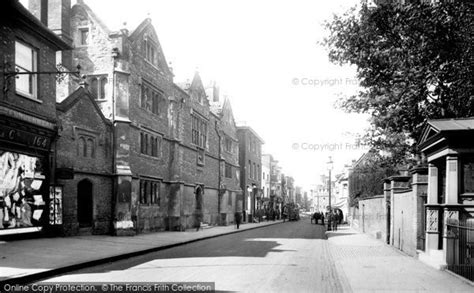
[(363, 264)]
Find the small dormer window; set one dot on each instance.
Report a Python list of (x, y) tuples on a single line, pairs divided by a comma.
[(84, 36), (150, 51)]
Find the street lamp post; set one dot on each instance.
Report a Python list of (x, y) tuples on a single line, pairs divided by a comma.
[(329, 164)]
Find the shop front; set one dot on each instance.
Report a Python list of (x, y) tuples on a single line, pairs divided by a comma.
[(24, 178)]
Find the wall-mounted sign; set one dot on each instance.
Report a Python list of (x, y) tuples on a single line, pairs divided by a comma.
[(23, 137)]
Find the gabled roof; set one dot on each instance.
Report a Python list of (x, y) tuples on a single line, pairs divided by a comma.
[(140, 28), (139, 31), (196, 87), (12, 12), (76, 96), (92, 15), (227, 108), (434, 129)]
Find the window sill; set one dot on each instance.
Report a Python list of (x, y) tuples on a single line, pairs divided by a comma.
[(149, 62), (149, 205), (160, 116), (149, 156), (29, 97)]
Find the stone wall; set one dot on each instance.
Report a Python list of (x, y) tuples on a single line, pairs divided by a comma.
[(404, 222)]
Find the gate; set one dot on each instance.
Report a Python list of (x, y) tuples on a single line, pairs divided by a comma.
[(462, 249)]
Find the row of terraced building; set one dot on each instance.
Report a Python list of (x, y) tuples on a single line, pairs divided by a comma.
[(121, 147)]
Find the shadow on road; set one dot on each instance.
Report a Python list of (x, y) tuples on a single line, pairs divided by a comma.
[(256, 243)]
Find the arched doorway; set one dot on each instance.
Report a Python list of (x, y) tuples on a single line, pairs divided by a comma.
[(198, 215), (198, 192), (84, 203)]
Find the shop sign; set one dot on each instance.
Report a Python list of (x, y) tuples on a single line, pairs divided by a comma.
[(24, 137)]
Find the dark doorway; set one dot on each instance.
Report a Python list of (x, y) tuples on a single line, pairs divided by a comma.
[(84, 203)]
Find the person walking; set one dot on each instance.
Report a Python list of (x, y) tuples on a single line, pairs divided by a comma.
[(238, 218)]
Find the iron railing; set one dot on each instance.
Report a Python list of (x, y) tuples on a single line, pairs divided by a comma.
[(462, 249)]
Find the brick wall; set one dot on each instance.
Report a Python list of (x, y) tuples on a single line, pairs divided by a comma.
[(9, 33), (78, 117), (102, 200)]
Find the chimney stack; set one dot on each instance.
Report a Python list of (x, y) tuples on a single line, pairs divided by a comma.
[(56, 15), (39, 8), (59, 18)]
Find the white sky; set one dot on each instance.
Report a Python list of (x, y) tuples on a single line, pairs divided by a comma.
[(255, 50)]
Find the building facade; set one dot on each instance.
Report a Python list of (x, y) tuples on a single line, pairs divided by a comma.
[(28, 122), (154, 155), (266, 174), (250, 152), (84, 175)]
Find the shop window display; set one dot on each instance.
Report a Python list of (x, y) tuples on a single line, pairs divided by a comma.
[(21, 191)]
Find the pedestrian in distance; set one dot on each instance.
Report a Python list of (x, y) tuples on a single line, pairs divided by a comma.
[(285, 213), (238, 219), (335, 221)]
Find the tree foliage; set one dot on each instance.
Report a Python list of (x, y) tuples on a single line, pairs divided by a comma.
[(366, 178), (414, 62)]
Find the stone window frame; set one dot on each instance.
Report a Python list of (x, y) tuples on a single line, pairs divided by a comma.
[(153, 146), (99, 90), (228, 144), (33, 78), (88, 136), (149, 192), (199, 130), (83, 42), (156, 103), (250, 169), (254, 171), (150, 50), (228, 170)]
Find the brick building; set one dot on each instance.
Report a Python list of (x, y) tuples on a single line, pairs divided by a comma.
[(28, 123), (84, 165), (130, 79), (208, 155), (250, 158), (173, 157), (229, 154)]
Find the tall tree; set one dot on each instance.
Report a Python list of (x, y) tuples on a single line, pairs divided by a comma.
[(413, 61)]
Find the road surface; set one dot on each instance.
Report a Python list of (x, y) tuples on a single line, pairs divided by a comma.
[(288, 257)]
